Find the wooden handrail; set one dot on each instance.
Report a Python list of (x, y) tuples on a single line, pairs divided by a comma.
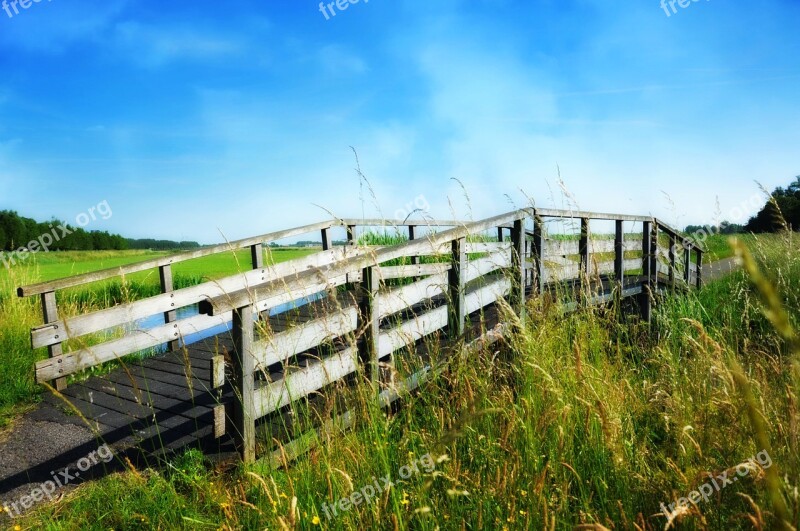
[(95, 276), (104, 274), (228, 302)]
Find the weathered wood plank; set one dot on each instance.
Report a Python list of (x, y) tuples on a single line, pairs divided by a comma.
[(245, 410), (72, 362), (304, 382), (552, 213), (409, 332), (399, 299), (50, 314), (557, 248), (456, 282), (304, 337), (126, 313), (409, 271), (165, 277), (217, 372), (369, 321)]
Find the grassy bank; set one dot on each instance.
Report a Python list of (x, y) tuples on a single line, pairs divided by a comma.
[(583, 420), (18, 316)]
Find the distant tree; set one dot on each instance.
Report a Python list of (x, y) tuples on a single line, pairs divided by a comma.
[(782, 211), (160, 245), (723, 228)]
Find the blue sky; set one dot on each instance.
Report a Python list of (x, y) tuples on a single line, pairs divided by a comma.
[(198, 119)]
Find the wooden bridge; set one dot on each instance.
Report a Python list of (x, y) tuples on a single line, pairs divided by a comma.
[(292, 333)]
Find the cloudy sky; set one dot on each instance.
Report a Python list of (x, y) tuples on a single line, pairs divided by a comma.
[(201, 119)]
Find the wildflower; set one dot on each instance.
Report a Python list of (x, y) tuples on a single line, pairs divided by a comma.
[(315, 520), (524, 492), (405, 499)]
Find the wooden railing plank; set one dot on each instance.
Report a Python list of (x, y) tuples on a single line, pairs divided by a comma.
[(125, 313), (301, 338)]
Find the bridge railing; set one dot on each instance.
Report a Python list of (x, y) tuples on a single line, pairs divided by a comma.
[(373, 323), (380, 300), (57, 330)]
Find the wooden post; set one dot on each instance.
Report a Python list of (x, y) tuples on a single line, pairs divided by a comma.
[(351, 234), (654, 257), (672, 260), (412, 235), (699, 268), (538, 255), (645, 299), (165, 276), (50, 312), (458, 262), (619, 255), (369, 316), (327, 242), (583, 251), (243, 365), (257, 255), (518, 269), (687, 260), (500, 234)]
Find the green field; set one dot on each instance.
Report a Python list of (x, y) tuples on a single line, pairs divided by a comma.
[(54, 265), (589, 421)]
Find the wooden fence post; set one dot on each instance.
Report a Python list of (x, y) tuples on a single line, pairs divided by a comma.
[(351, 234), (583, 251), (699, 268), (412, 235), (518, 269), (619, 255), (672, 260), (654, 258), (687, 261), (243, 369), (458, 267), (500, 234), (327, 242), (257, 255), (538, 255), (645, 299), (369, 316), (50, 312), (165, 276)]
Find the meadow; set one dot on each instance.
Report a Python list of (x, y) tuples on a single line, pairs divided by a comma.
[(589, 420)]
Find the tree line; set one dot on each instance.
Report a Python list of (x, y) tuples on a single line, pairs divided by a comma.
[(17, 232), (780, 213)]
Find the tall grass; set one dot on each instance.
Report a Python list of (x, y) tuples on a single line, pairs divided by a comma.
[(580, 421)]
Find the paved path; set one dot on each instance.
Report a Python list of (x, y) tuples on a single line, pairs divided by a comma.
[(717, 270)]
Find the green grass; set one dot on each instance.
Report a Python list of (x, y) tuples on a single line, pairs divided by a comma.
[(584, 419), (54, 265)]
